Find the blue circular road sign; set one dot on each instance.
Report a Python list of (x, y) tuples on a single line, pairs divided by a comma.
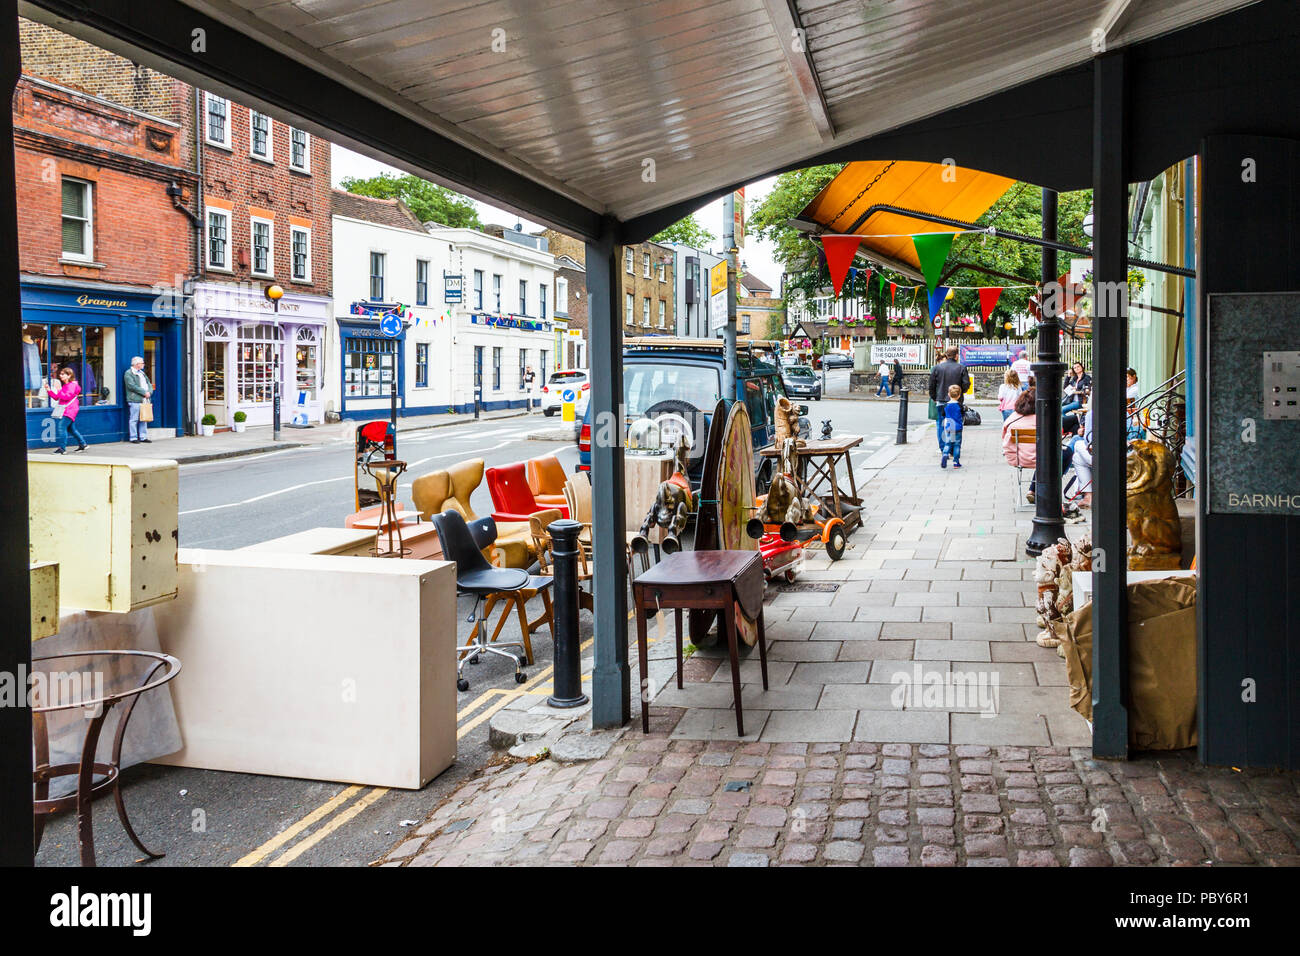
[(569, 395), (391, 326)]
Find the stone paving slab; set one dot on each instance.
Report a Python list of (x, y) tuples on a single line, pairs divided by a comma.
[(654, 800)]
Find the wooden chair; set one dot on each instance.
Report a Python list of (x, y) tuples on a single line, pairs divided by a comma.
[(577, 495), (539, 523), (546, 478), (1023, 436)]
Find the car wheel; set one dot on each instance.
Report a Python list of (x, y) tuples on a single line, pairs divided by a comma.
[(548, 412)]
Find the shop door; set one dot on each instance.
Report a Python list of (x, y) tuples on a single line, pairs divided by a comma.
[(154, 366)]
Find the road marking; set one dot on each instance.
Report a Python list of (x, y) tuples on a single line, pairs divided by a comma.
[(277, 841), (298, 849)]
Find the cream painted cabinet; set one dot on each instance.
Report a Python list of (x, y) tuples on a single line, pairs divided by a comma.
[(111, 526)]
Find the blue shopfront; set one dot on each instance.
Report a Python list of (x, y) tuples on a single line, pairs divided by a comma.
[(96, 330), (371, 361)]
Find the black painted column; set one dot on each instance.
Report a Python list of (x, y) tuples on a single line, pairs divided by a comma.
[(611, 676), (1049, 526), (15, 593), (1110, 648)]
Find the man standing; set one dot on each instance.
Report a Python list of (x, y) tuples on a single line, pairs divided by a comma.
[(947, 373), (883, 372), (138, 389), (1022, 368)]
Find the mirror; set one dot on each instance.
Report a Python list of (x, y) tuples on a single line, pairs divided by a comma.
[(803, 409)]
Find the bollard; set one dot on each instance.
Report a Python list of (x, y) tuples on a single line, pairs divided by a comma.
[(567, 681), (902, 417)]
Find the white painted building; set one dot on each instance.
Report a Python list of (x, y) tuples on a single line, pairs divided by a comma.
[(506, 321), (691, 279), (386, 263)]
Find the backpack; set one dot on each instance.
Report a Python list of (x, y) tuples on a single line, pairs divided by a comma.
[(970, 417)]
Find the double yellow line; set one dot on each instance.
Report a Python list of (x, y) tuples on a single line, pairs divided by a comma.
[(342, 799)]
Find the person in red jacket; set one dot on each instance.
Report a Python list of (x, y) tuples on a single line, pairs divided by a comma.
[(64, 393)]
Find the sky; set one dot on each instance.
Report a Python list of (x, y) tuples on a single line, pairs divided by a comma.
[(756, 256)]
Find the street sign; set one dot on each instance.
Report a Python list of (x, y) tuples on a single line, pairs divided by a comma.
[(738, 221), (568, 409), (884, 352), (391, 325), (453, 288)]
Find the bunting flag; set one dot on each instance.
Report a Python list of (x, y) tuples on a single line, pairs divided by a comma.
[(893, 292), (937, 296), (866, 282), (988, 299), (880, 282), (932, 252), (839, 251)]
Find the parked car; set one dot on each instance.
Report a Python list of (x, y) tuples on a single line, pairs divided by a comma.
[(801, 382), (683, 377), (553, 390), (834, 359)]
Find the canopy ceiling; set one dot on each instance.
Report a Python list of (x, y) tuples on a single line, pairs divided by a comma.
[(845, 205), (579, 97)]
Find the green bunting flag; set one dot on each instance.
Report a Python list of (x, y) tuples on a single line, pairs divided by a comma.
[(932, 252)]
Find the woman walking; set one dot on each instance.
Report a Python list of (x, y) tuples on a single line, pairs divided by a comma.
[(1008, 392), (64, 392)]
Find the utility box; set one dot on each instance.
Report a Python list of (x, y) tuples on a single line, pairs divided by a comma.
[(110, 524)]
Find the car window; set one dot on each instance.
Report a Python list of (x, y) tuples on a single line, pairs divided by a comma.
[(567, 376), (754, 402), (648, 383), (801, 373)]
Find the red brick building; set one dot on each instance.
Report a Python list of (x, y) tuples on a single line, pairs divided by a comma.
[(266, 221), (107, 228)]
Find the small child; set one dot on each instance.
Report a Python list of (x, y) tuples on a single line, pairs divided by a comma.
[(951, 422)]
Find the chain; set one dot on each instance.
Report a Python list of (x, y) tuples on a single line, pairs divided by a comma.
[(854, 200)]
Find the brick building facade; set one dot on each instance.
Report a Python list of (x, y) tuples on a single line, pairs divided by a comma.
[(107, 229)]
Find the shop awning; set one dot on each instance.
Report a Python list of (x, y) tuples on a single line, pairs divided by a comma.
[(848, 205)]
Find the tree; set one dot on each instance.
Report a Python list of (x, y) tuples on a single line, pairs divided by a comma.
[(429, 201), (687, 231)]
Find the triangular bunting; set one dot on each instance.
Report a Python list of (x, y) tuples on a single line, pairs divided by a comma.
[(840, 251), (937, 296), (988, 299), (893, 291), (932, 252), (880, 283)]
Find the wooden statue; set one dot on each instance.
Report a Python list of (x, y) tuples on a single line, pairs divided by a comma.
[(786, 422), (1153, 525), (784, 501)]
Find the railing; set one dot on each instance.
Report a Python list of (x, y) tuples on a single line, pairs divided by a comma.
[(1162, 413)]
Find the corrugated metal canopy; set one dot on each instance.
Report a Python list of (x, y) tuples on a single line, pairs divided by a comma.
[(629, 106), (844, 205)]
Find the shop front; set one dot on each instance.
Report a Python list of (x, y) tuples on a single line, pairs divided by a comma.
[(96, 330), (249, 345), (370, 363)]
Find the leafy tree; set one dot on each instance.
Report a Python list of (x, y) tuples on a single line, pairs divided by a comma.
[(687, 231), (429, 201)]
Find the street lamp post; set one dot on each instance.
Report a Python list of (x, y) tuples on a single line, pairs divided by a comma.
[(275, 293), (1049, 525)]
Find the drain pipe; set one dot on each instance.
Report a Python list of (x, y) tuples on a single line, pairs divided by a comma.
[(192, 374)]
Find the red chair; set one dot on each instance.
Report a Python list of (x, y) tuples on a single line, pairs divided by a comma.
[(511, 496)]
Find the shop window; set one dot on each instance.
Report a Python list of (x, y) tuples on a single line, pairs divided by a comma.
[(86, 349), (262, 247), (78, 231), (496, 369), (218, 239), (307, 363), (259, 135), (422, 365), (299, 150), (256, 350), (368, 367), (377, 277), (214, 371), (421, 282), (300, 242), (478, 289), (218, 124)]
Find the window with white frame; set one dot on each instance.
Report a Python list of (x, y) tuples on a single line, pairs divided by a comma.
[(421, 281), (263, 263), (645, 265), (541, 300), (299, 150), (218, 238), (523, 296), (496, 291), (421, 364), (496, 369), (307, 362), (645, 311), (300, 253), (78, 220), (259, 135), (627, 261), (663, 313), (561, 296), (478, 289), (627, 312), (663, 271), (217, 122), (377, 276)]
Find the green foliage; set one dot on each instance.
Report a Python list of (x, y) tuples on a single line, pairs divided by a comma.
[(239, 417), (429, 202), (687, 231), (775, 326), (209, 419)]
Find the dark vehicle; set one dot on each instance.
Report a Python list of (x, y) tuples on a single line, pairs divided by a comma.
[(834, 360), (801, 382), (682, 378)]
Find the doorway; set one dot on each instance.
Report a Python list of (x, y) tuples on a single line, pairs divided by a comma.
[(155, 365)]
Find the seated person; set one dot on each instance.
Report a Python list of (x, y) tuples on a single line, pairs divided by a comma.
[(1077, 385), (1079, 453), (1022, 454)]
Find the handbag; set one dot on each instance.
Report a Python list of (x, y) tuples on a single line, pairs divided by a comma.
[(970, 416), (146, 411), (58, 410), (934, 410)]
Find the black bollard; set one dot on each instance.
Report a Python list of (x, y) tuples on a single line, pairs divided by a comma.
[(902, 417), (567, 681)]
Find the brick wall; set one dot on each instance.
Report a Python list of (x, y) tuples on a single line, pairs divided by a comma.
[(634, 282), (233, 177)]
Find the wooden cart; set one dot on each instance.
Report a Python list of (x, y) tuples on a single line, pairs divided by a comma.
[(818, 465)]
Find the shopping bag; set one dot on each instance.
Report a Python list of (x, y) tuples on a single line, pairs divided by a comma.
[(57, 410), (146, 411), (934, 410)]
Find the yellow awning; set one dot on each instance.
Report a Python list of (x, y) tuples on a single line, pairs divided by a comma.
[(936, 188)]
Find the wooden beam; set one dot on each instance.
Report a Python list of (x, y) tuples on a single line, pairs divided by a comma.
[(792, 36)]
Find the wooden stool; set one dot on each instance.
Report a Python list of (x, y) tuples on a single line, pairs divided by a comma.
[(718, 581)]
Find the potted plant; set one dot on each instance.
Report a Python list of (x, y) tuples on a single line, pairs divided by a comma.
[(208, 425), (240, 419)]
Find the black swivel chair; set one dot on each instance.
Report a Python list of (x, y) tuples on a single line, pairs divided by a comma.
[(475, 576)]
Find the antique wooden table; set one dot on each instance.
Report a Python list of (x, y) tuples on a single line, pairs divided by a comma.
[(724, 582), (818, 465)]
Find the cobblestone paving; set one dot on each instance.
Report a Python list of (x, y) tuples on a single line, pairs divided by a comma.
[(655, 801)]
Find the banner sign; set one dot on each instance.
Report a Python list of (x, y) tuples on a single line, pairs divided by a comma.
[(453, 288), (997, 355), (883, 352)]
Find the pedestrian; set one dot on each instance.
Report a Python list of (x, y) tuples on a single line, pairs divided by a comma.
[(1132, 376), (952, 423), (897, 377), (1022, 367), (1008, 392), (64, 392), (138, 390), (1077, 385), (1079, 452), (883, 372), (947, 373)]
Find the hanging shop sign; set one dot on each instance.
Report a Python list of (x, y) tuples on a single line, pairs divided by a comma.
[(453, 288), (509, 322)]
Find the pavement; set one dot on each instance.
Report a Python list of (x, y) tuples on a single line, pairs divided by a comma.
[(846, 763)]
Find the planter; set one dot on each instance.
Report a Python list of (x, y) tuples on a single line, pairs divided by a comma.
[(207, 430), (238, 426)]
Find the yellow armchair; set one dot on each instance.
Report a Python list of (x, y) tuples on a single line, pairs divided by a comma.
[(450, 490)]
